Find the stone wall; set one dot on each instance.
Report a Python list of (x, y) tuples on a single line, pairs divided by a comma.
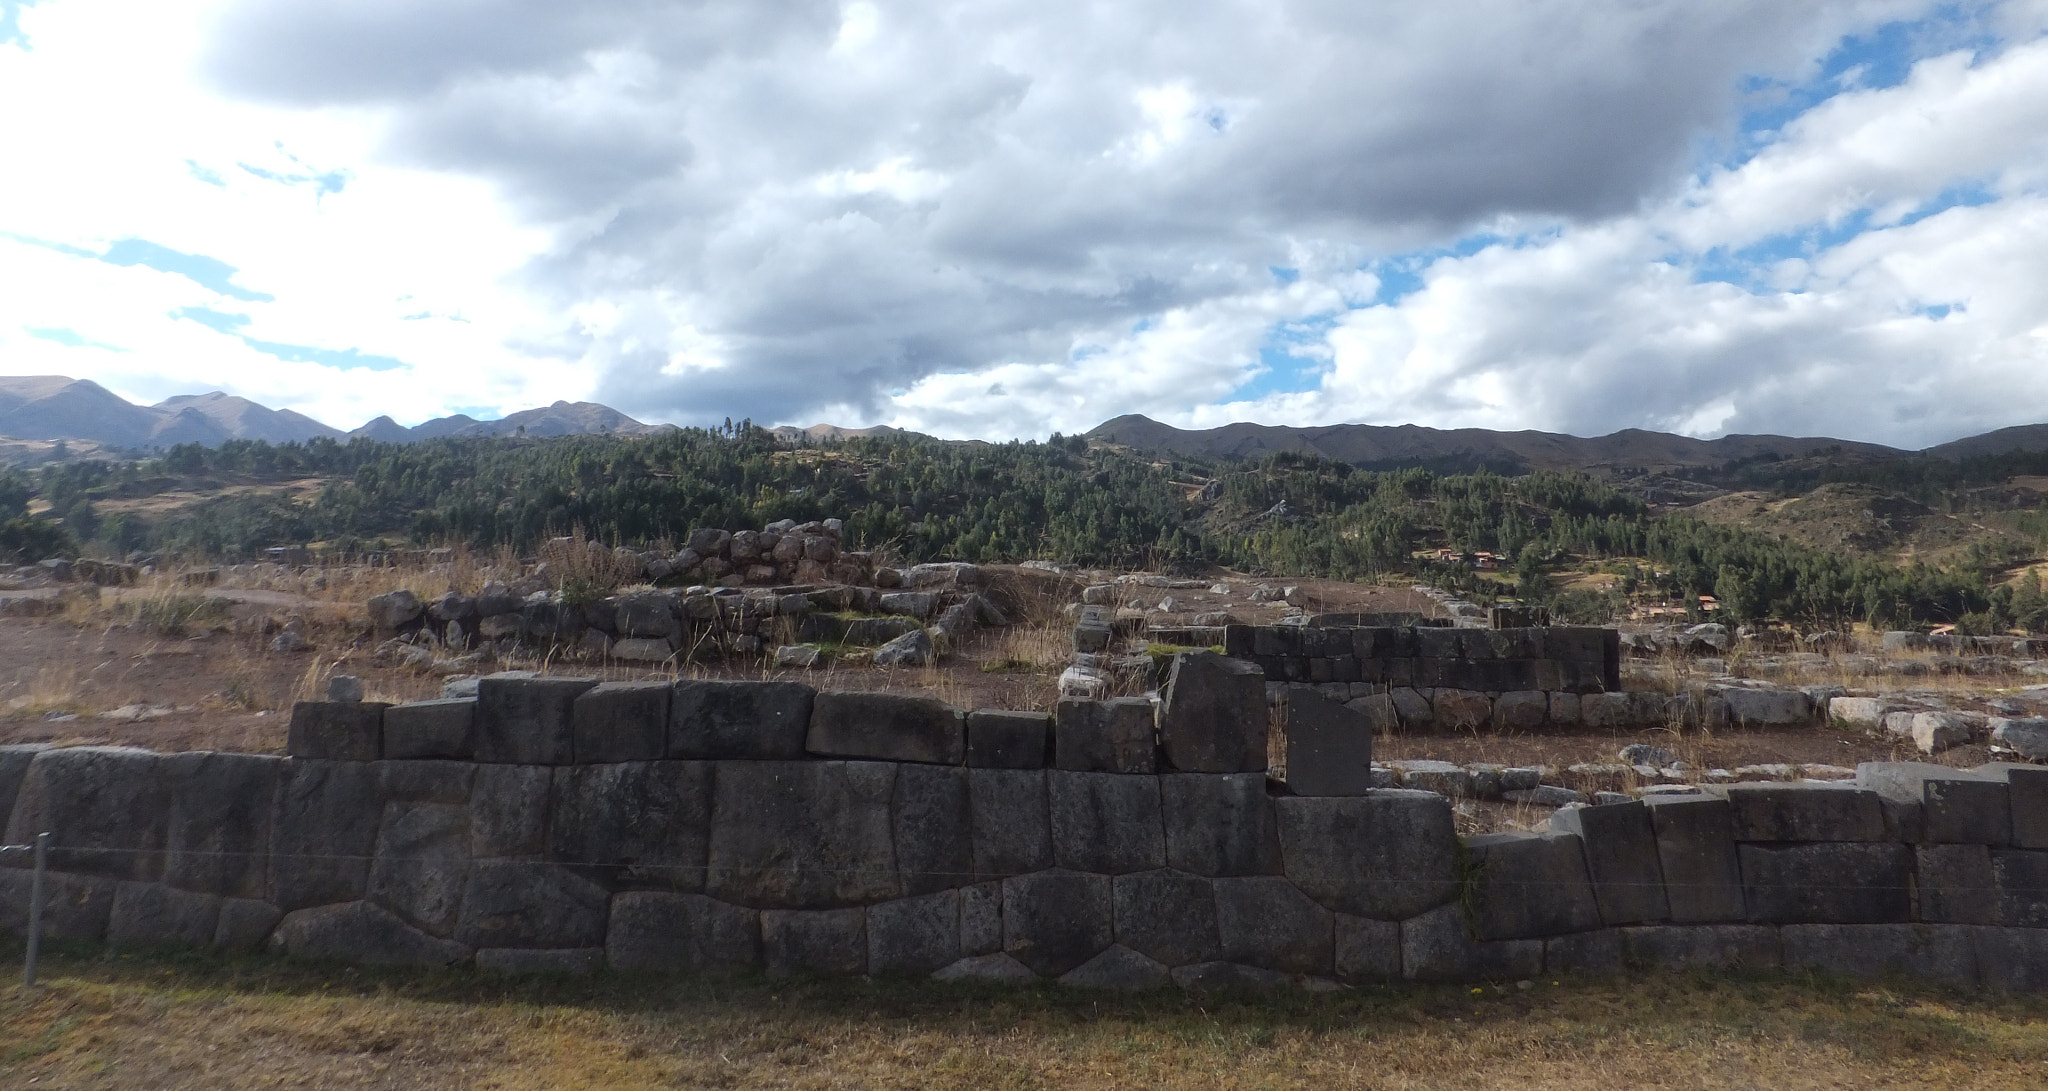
[(558, 824)]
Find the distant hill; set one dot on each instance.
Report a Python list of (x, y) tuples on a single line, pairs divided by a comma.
[(2026, 437), (793, 434), (54, 407), (1377, 446)]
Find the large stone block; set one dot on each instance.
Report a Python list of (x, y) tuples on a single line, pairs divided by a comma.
[(103, 806), (1437, 946), (75, 907), (1828, 883), (336, 730), (519, 903), (1167, 915), (2028, 788), (1703, 947), (888, 727), (2021, 876), (422, 864), (1265, 921), (1118, 968), (680, 932), (1529, 884), (808, 834), (508, 811), (1955, 884), (934, 829), (326, 828), (1056, 920), (1106, 822), (1114, 736), (1219, 824), (2012, 959), (638, 823), (1589, 954), (362, 933), (981, 919), (1929, 952), (916, 936), (1767, 707), (1804, 812), (1696, 852), (14, 761), (152, 915), (1000, 739), (527, 721), (1901, 788), (422, 781), (814, 941), (1367, 950), (621, 721), (1621, 858), (764, 721), (534, 962), (1966, 810), (1521, 710), (245, 925), (1328, 747), (217, 836), (431, 729), (1389, 855), (1011, 821), (1213, 719)]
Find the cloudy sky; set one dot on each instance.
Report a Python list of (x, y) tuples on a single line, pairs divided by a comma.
[(1005, 219)]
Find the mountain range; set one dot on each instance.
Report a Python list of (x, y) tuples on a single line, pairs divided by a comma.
[(53, 407)]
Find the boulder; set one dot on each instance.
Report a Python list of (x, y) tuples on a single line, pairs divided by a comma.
[(245, 925), (1389, 854), (798, 656), (95, 798), (2025, 736), (422, 863), (1213, 717), (362, 933), (1934, 732), (1766, 707), (1521, 710), (1867, 713), (641, 650), (147, 915), (395, 611), (1328, 748), (1118, 968), (803, 835), (992, 969)]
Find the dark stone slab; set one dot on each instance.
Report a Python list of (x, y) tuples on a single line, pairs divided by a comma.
[(2021, 876), (326, 828), (14, 762), (1106, 822), (1229, 977), (535, 962), (915, 936), (981, 919), (1928, 952), (75, 907), (1437, 946), (1388, 854), (422, 864), (1585, 954), (245, 925), (1328, 747), (1530, 884), (431, 729), (1955, 884), (527, 721), (1118, 968), (1011, 821), (814, 941), (999, 739), (1367, 950), (336, 730), (519, 903), (681, 932), (621, 721), (1056, 920), (764, 721), (887, 727), (1213, 719), (424, 781), (638, 823), (2012, 959), (1114, 736), (363, 933), (1219, 824), (1621, 857), (1967, 811), (1828, 883), (1696, 852), (2028, 788), (1702, 947), (1169, 916), (1264, 921), (809, 834), (933, 828), (149, 915), (217, 837), (1804, 812), (508, 811), (95, 798)]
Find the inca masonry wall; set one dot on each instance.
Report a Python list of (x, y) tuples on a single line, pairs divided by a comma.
[(555, 824)]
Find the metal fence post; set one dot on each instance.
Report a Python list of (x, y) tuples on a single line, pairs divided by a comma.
[(35, 908)]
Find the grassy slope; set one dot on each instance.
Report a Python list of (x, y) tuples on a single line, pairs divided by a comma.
[(122, 1023)]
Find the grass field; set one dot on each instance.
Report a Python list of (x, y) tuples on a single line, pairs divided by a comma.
[(202, 1023)]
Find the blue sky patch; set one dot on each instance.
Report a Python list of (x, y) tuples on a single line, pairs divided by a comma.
[(1289, 360), (217, 321), (342, 359), (68, 338), (10, 22), (205, 174), (212, 274)]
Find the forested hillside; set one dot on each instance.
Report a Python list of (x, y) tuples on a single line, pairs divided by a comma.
[(1066, 500)]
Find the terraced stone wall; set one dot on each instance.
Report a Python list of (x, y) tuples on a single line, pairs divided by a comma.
[(561, 825)]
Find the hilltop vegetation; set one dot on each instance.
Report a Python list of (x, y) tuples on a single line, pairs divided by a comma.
[(1067, 500)]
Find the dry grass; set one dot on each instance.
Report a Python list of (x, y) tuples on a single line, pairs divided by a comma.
[(191, 1024)]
